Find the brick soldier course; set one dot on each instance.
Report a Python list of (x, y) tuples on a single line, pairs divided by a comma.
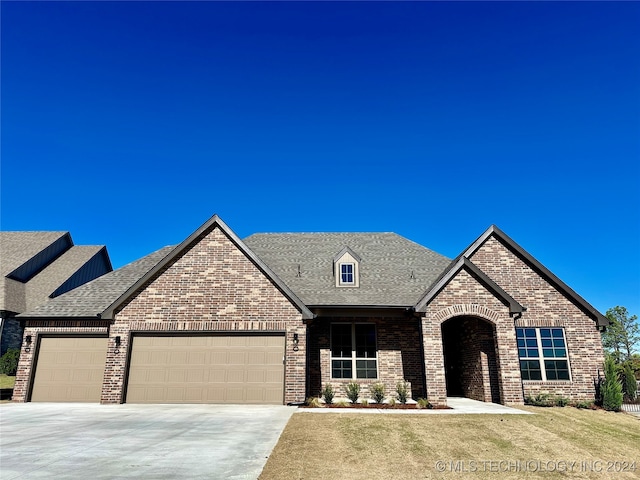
[(447, 327)]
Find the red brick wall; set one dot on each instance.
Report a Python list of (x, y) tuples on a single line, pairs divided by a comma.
[(399, 356), (465, 296), (546, 307)]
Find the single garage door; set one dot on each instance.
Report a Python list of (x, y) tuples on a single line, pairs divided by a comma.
[(207, 369), (69, 369)]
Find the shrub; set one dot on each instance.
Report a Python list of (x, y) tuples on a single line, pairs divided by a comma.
[(584, 404), (562, 401), (9, 362), (402, 389), (392, 402), (313, 402), (328, 394), (424, 403), (611, 387), (630, 383), (540, 400), (353, 391), (377, 392), (364, 402)]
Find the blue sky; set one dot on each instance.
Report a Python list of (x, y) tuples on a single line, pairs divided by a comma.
[(130, 124)]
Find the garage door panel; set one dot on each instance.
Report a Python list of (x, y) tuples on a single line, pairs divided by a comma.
[(69, 369), (207, 369)]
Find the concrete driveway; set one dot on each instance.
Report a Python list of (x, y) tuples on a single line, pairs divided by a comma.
[(83, 441)]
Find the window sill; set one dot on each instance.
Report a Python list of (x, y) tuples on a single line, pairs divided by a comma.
[(546, 382)]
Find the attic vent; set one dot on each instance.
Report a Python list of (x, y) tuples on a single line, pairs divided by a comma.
[(299, 273)]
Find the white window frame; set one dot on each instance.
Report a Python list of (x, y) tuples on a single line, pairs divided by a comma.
[(541, 358), (353, 358)]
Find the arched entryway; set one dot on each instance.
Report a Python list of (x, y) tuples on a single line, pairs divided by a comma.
[(470, 361)]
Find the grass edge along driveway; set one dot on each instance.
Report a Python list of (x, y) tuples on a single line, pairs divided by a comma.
[(553, 443)]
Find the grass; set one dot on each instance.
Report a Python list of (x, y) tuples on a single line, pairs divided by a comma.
[(357, 446), (7, 381)]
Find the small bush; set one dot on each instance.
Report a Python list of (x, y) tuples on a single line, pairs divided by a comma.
[(342, 403), (402, 389), (584, 404), (611, 387), (424, 403), (9, 362), (313, 402), (377, 392), (364, 402), (540, 400), (352, 390), (562, 401), (392, 402), (328, 394)]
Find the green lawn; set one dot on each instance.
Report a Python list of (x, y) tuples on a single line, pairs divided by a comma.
[(553, 443), (7, 381)]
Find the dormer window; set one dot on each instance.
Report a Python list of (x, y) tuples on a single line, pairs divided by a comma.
[(346, 268), (346, 273)]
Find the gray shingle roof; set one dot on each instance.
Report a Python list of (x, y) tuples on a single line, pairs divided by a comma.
[(94, 297), (394, 271), (18, 247)]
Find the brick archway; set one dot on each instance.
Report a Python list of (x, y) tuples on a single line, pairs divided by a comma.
[(470, 358)]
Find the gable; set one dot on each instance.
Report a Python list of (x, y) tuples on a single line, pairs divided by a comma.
[(462, 283), (211, 273), (527, 280)]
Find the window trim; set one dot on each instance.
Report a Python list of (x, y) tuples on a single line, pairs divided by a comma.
[(354, 358), (541, 358)]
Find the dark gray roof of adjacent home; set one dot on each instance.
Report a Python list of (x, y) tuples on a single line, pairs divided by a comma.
[(92, 298), (394, 271)]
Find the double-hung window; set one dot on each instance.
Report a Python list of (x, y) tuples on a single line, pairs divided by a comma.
[(353, 350), (543, 354)]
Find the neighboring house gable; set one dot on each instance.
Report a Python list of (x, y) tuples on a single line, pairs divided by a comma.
[(38, 266)]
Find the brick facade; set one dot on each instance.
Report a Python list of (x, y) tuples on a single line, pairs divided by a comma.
[(463, 342), (546, 307), (398, 349)]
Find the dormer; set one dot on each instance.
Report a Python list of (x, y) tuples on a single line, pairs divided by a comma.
[(346, 268)]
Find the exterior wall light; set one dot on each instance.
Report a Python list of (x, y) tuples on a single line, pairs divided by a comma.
[(27, 341), (296, 340), (118, 341)]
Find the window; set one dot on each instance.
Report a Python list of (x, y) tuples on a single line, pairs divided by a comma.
[(353, 349), (543, 354), (346, 273)]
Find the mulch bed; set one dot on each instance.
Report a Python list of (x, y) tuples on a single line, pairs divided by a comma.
[(383, 406)]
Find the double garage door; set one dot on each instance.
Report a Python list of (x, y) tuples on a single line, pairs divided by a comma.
[(167, 369)]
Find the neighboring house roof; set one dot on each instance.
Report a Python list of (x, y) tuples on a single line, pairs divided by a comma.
[(494, 231), (213, 222), (394, 271), (36, 266), (91, 299)]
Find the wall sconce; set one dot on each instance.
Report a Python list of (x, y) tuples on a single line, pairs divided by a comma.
[(118, 341), (296, 340), (27, 341)]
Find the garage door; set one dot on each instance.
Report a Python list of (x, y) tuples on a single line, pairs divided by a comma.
[(69, 369), (206, 369)]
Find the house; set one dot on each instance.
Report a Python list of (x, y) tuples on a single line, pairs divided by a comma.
[(38, 266), (274, 317)]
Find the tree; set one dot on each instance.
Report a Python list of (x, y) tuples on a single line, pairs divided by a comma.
[(630, 384), (621, 337), (611, 387)]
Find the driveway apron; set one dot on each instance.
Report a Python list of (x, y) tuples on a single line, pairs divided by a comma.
[(86, 441)]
